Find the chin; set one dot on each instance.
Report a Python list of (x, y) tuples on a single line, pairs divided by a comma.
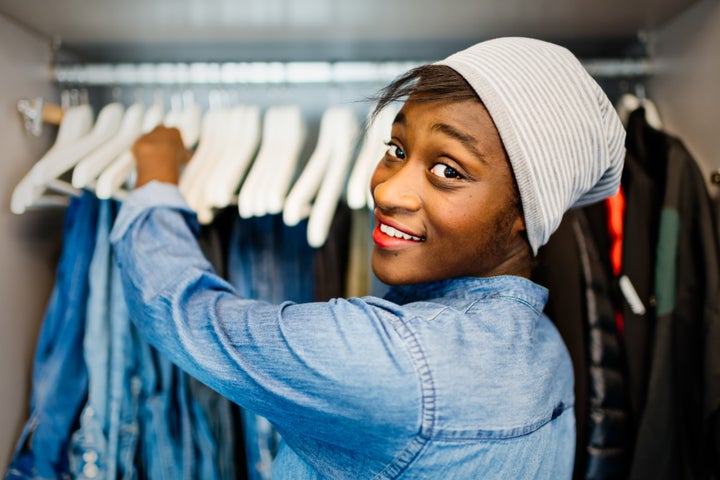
[(389, 276), (389, 279), (394, 271), (399, 276)]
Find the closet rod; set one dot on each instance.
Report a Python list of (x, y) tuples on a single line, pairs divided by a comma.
[(236, 73)]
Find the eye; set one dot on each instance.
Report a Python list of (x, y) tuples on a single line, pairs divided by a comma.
[(395, 151), (445, 171)]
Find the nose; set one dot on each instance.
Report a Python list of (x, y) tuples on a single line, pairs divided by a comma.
[(396, 189)]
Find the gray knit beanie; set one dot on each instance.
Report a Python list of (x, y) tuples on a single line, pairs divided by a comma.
[(565, 141)]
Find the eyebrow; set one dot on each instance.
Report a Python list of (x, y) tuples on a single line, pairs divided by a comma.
[(466, 139)]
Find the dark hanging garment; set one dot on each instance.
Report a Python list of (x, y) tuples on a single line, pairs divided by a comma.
[(671, 332), (330, 261), (580, 305), (638, 267), (677, 436), (558, 269), (608, 423)]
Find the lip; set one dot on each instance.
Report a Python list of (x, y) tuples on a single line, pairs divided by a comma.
[(385, 241)]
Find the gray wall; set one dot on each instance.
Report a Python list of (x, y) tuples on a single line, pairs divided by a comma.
[(29, 244), (688, 94)]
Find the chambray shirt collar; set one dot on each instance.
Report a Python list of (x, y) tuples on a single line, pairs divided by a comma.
[(471, 288)]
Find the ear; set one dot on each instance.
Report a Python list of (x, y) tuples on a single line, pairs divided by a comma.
[(518, 232), (518, 225)]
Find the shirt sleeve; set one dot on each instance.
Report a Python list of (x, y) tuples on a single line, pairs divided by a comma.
[(320, 369)]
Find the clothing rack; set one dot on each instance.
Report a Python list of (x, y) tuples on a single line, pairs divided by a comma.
[(238, 73)]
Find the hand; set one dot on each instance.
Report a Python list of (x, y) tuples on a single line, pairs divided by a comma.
[(159, 156)]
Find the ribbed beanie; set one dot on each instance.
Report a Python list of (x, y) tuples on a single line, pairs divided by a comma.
[(565, 141)]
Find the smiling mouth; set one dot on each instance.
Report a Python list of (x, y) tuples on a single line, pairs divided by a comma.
[(395, 233)]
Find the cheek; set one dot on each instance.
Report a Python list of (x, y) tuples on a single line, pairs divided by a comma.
[(454, 232), (469, 221)]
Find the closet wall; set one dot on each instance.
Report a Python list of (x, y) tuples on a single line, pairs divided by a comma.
[(29, 244), (687, 94)]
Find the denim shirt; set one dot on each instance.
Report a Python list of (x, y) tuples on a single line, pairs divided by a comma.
[(463, 378)]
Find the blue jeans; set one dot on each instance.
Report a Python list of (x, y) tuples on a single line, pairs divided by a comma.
[(269, 261), (215, 432), (159, 453), (89, 444), (92, 371), (168, 449), (125, 384), (60, 379), (105, 444)]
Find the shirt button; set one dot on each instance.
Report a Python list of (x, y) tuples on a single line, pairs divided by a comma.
[(90, 470), (90, 456)]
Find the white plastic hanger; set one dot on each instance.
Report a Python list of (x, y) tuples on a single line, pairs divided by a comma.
[(299, 201), (87, 170), (629, 102), (210, 146), (76, 123), (231, 167), (62, 160), (228, 125), (324, 176), (270, 175), (188, 122), (113, 177), (652, 115), (279, 176), (371, 151), (331, 188), (208, 135), (187, 119)]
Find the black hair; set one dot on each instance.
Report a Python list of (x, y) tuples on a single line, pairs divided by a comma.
[(426, 83)]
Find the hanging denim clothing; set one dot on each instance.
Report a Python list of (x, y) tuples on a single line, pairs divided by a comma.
[(268, 260), (296, 260), (124, 392), (215, 417), (250, 263), (214, 445), (59, 381), (89, 454), (159, 454), (106, 441), (214, 432), (130, 418), (105, 444), (332, 259)]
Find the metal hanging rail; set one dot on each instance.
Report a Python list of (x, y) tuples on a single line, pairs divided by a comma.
[(238, 73), (229, 73)]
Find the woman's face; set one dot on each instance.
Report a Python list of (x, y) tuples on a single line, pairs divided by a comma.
[(443, 196)]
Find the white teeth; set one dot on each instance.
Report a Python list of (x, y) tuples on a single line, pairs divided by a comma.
[(394, 232)]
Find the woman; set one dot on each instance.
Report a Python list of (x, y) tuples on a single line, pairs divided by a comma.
[(456, 373)]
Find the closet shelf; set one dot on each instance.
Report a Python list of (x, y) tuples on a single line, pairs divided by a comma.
[(238, 73)]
